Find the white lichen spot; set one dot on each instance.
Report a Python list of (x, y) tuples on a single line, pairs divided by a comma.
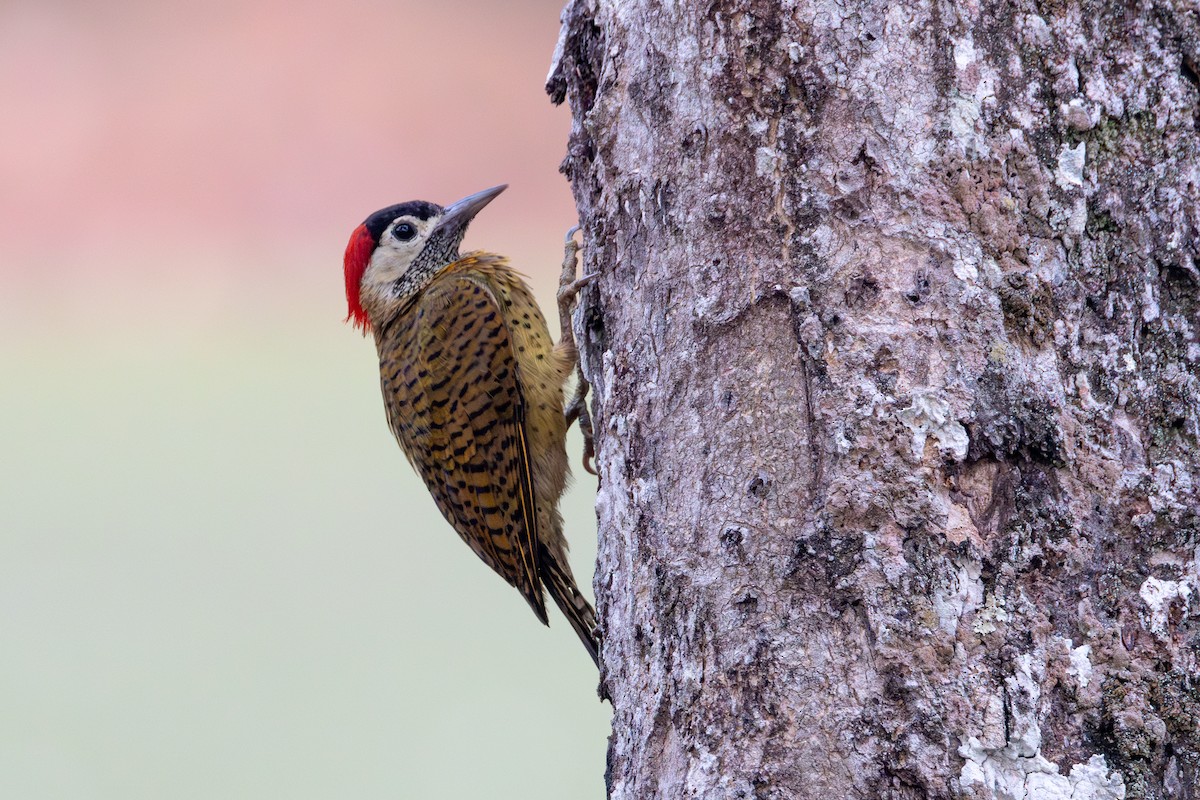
[(965, 271), (1081, 664), (1017, 770), (964, 52), (929, 415), (1158, 596), (794, 51), (992, 612), (1070, 166), (1150, 307), (840, 442), (1037, 778)]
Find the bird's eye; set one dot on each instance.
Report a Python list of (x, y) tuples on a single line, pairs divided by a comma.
[(404, 231)]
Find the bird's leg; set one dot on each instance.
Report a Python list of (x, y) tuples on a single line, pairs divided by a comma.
[(568, 290)]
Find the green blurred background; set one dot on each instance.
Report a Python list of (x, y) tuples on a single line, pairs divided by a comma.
[(219, 578)]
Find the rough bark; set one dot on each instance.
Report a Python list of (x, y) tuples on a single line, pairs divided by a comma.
[(896, 354)]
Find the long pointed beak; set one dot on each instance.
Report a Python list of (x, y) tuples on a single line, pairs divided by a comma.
[(458, 215)]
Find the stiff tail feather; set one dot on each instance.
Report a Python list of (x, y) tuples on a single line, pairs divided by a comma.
[(574, 606)]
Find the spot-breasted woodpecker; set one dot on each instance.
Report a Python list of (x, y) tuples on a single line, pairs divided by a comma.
[(473, 389)]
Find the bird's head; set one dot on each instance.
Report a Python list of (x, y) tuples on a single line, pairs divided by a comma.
[(398, 249)]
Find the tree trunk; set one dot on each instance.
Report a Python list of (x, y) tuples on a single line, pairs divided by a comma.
[(896, 356)]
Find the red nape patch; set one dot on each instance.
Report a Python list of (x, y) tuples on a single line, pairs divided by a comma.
[(358, 255)]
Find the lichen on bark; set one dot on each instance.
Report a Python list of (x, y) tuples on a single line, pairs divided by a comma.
[(896, 348)]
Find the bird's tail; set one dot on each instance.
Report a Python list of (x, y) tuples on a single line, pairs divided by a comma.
[(579, 612)]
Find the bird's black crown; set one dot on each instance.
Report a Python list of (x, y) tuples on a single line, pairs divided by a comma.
[(377, 223)]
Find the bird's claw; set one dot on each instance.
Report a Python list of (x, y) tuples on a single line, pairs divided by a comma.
[(568, 291), (577, 410)]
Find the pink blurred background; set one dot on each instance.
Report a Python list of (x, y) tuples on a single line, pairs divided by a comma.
[(219, 577), (226, 149)]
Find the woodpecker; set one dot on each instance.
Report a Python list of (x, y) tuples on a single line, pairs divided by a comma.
[(473, 390)]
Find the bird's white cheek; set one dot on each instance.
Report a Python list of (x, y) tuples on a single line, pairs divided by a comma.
[(387, 265)]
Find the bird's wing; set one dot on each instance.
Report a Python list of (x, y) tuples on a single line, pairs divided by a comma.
[(455, 402)]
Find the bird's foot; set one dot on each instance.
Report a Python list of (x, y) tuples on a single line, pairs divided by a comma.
[(577, 410), (568, 291), (568, 284)]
